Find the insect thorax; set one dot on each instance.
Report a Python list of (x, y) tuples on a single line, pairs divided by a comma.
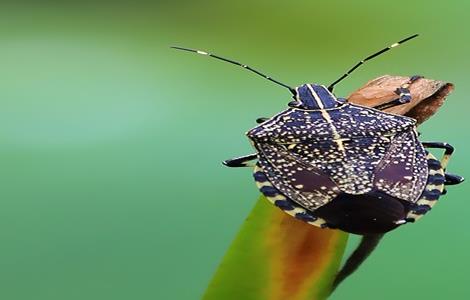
[(346, 121)]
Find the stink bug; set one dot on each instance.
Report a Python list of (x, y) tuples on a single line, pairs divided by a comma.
[(334, 164)]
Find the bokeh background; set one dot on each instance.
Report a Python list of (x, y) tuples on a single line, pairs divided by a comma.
[(111, 182)]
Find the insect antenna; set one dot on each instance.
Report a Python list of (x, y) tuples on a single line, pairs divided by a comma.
[(292, 90), (330, 87)]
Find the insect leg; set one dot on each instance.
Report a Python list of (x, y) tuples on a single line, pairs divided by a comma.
[(440, 145), (403, 93), (243, 161), (261, 120), (452, 179)]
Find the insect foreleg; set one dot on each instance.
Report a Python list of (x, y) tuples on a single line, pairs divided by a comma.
[(452, 179), (243, 161), (441, 145), (403, 92)]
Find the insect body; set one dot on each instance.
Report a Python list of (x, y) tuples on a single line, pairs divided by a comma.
[(334, 164), (339, 165)]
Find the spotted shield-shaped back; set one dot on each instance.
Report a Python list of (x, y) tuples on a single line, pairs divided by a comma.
[(313, 155)]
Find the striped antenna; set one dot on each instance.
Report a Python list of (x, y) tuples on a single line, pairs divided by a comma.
[(331, 86), (292, 90)]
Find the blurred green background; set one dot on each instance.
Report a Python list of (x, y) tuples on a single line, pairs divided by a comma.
[(111, 182)]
